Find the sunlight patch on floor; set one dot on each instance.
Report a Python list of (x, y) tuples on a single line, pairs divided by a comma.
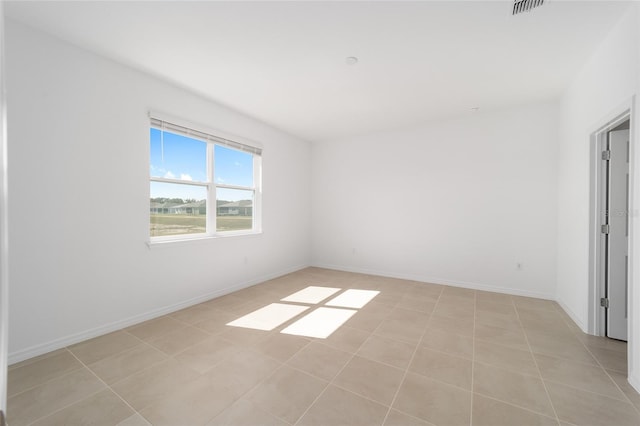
[(269, 317), (319, 323), (353, 298), (311, 295)]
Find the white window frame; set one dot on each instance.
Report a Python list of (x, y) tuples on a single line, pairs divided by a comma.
[(211, 138)]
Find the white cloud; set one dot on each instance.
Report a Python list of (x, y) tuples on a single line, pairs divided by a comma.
[(185, 176), (169, 175), (220, 180), (236, 164)]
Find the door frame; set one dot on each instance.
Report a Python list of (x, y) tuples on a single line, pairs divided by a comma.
[(597, 193)]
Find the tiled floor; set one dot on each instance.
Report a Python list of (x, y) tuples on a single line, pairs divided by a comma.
[(417, 354)]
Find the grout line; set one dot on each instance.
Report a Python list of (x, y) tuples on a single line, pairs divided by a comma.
[(353, 355), (415, 351), (538, 368), (66, 406), (473, 354), (109, 387)]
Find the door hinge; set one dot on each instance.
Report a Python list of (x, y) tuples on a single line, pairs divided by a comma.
[(604, 229), (604, 302), (606, 155)]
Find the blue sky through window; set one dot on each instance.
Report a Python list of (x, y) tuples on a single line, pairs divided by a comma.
[(179, 157)]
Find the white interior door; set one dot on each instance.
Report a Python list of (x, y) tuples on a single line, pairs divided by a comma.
[(618, 233)]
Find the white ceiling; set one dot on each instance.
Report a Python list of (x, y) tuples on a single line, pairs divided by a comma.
[(284, 62)]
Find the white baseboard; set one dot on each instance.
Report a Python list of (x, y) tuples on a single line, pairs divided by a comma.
[(634, 382), (436, 280), (65, 341), (573, 316)]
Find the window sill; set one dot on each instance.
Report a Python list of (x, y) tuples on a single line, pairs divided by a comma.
[(171, 242)]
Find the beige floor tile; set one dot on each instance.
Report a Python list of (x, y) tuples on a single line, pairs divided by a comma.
[(403, 324), (586, 408), (518, 389), (610, 359), (225, 303), (602, 342), (458, 292), (505, 357), (192, 403), (507, 309), (281, 347), (287, 394), (369, 318), (461, 326), (216, 321), (388, 351), (490, 412), (320, 360), (347, 339), (454, 311), (194, 314), (468, 303), (533, 303), (494, 319), (501, 336), (245, 413), (443, 367), (38, 372), (135, 420), (103, 408), (491, 297), (621, 380), (453, 344), (415, 304), (104, 346), (176, 341), (154, 383), (124, 364), (36, 359), (244, 336), (155, 327), (433, 401), (370, 379), (207, 354), (401, 330), (197, 401), (396, 418), (583, 376), (340, 407), (51, 396), (567, 347)]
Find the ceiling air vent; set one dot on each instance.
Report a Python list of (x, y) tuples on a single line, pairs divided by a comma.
[(520, 6)]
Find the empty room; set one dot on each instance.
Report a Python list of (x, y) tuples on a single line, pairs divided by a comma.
[(320, 213)]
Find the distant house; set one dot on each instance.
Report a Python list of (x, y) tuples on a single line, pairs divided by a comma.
[(162, 208), (195, 208), (236, 208)]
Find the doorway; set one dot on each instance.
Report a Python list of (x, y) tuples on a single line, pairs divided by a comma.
[(610, 236)]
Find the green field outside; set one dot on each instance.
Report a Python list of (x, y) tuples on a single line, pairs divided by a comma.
[(180, 224)]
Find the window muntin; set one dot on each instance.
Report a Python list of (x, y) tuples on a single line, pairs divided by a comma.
[(190, 173)]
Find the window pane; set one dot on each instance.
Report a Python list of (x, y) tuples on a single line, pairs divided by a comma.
[(177, 209), (233, 167), (177, 157), (235, 210)]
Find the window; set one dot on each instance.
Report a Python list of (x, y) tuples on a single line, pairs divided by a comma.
[(201, 184)]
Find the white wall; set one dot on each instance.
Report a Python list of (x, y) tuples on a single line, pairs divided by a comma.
[(604, 87), (79, 153), (459, 202), (4, 228)]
